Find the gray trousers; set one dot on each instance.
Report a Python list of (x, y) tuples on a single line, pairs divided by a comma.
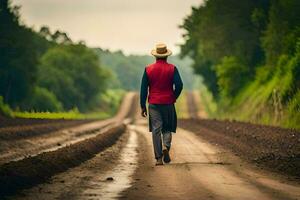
[(159, 137)]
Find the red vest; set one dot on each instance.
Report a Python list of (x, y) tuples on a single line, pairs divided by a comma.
[(160, 78)]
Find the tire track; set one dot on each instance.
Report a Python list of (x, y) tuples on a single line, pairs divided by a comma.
[(25, 173), (39, 167), (12, 150), (192, 106), (200, 170)]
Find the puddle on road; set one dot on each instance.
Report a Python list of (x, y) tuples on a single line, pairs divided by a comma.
[(121, 173)]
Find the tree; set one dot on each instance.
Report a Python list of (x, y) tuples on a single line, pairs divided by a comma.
[(43, 100), (18, 58), (231, 75), (61, 37), (282, 31), (73, 74), (221, 28)]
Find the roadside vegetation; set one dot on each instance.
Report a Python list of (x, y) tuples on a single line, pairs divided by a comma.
[(182, 106), (45, 74), (248, 53), (5, 110)]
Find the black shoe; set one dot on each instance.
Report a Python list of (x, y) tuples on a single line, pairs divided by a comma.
[(159, 162), (167, 158)]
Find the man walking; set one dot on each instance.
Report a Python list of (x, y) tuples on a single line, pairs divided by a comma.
[(165, 85)]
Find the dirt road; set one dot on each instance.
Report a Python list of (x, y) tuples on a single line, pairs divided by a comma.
[(195, 105), (199, 170), (23, 140)]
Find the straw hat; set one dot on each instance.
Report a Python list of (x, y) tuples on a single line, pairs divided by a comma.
[(161, 51)]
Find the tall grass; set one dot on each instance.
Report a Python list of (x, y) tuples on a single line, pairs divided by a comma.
[(72, 114), (107, 106), (181, 106), (210, 106), (270, 99), (5, 109)]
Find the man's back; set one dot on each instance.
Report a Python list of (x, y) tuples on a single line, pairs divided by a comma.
[(160, 79)]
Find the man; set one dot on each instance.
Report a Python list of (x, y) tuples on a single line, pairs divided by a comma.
[(165, 86)]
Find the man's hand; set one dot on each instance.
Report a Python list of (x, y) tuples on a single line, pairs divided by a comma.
[(144, 112)]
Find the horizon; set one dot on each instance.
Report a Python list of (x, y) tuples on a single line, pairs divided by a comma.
[(131, 30)]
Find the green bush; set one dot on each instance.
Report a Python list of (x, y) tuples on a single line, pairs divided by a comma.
[(44, 100), (293, 112), (110, 100), (5, 109), (232, 75), (73, 74), (272, 98)]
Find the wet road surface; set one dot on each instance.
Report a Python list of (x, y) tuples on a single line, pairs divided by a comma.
[(199, 170)]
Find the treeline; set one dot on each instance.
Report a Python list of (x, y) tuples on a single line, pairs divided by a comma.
[(45, 71), (248, 53), (127, 70)]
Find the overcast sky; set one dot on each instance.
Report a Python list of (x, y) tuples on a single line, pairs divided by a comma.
[(134, 26)]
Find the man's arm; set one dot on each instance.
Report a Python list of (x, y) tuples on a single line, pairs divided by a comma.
[(144, 93), (178, 83)]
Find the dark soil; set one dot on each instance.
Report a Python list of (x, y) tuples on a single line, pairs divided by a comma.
[(273, 148), (25, 173), (8, 122), (12, 129)]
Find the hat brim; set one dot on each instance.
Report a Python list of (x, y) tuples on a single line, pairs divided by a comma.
[(159, 55)]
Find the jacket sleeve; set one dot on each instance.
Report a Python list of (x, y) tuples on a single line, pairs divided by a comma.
[(178, 83), (144, 90)]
